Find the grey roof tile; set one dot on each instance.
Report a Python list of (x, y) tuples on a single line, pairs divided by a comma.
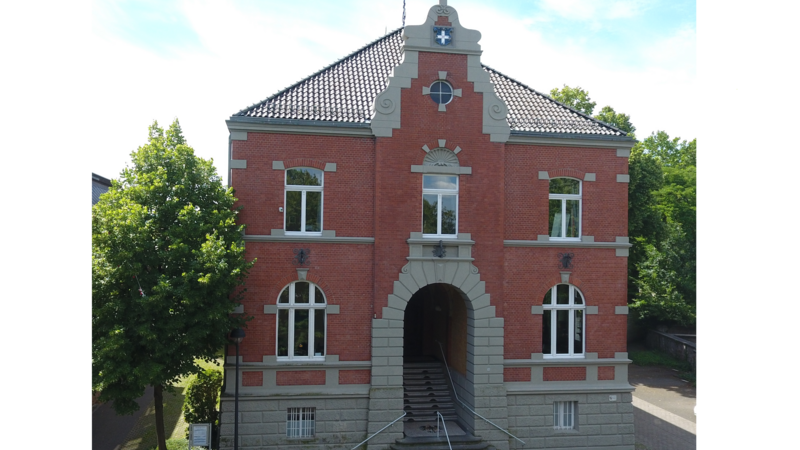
[(345, 91)]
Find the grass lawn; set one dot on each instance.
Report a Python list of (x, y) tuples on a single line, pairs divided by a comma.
[(143, 434)]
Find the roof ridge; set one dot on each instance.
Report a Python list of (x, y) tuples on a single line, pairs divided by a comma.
[(554, 100), (333, 64)]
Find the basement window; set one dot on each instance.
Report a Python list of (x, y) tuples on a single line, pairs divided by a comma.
[(300, 422), (564, 415)]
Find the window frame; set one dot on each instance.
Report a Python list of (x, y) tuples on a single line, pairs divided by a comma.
[(304, 189), (291, 306), (439, 193), (571, 307), (563, 198), (563, 410), (302, 413), (439, 94)]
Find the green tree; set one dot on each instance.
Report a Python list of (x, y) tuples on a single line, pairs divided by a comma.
[(619, 120), (662, 223), (576, 98), (167, 270)]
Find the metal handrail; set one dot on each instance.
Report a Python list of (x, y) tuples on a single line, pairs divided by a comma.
[(447, 368), (376, 433), (446, 434)]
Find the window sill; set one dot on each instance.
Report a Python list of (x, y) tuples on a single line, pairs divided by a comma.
[(440, 236), (283, 360), (557, 357)]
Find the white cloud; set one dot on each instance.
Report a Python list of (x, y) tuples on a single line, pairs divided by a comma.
[(594, 10)]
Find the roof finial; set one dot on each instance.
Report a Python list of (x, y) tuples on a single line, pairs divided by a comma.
[(442, 2)]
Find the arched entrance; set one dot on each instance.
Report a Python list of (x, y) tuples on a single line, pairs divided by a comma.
[(436, 314), (476, 361)]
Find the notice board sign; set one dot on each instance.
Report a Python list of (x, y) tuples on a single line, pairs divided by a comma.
[(200, 435)]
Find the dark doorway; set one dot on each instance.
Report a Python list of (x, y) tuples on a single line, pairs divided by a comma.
[(437, 313)]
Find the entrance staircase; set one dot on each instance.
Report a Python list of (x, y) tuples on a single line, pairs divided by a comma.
[(426, 392)]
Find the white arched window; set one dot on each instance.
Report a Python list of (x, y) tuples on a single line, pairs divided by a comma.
[(301, 322), (565, 208), (563, 326)]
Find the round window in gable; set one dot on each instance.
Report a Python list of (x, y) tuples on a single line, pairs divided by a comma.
[(441, 92)]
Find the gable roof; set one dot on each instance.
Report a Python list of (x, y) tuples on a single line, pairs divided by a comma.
[(345, 91)]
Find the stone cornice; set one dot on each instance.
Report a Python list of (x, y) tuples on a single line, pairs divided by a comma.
[(286, 126), (557, 139), (309, 239), (571, 244)]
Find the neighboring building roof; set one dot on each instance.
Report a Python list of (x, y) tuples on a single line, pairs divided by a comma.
[(346, 90), (100, 186)]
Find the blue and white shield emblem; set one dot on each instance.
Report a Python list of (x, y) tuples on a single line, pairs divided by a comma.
[(443, 35)]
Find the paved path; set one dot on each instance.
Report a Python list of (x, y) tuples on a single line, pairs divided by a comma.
[(663, 412), (110, 430)]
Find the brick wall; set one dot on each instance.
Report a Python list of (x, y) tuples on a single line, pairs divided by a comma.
[(299, 377), (564, 373)]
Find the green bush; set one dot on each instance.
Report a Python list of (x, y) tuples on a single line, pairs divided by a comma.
[(200, 404)]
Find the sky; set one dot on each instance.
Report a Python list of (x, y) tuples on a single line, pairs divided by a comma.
[(202, 61)]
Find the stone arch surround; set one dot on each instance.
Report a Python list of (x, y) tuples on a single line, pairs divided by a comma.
[(483, 388)]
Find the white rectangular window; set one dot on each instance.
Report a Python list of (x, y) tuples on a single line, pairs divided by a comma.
[(564, 415), (303, 201), (300, 422), (565, 208), (439, 205)]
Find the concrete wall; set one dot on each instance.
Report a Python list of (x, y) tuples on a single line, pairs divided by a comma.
[(601, 423), (341, 423)]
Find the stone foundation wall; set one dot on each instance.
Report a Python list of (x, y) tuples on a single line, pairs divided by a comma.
[(340, 423), (601, 423)]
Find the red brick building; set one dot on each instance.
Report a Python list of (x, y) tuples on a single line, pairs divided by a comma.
[(433, 238)]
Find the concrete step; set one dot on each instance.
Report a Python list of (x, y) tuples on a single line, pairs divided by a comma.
[(467, 442)]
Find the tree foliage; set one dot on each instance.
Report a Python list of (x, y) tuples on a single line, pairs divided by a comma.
[(167, 270), (200, 404), (619, 120), (662, 223), (576, 98)]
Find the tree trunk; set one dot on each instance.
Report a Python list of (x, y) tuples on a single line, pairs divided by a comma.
[(158, 398)]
